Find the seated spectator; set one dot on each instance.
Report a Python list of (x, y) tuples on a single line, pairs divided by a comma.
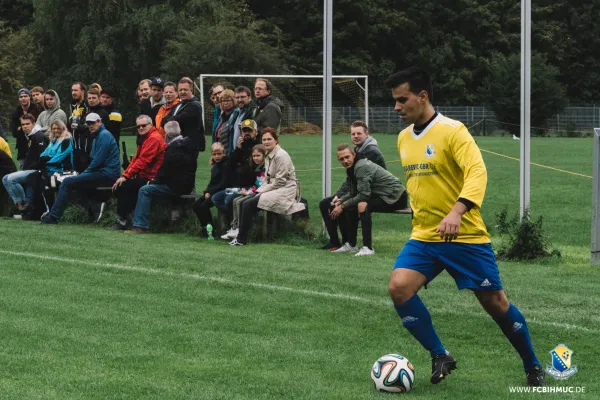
[(37, 143), (259, 153), (103, 170), (366, 147), (371, 189), (224, 131), (202, 206), (188, 114), (279, 194), (26, 106), (171, 100), (55, 159), (142, 169), (37, 95), (52, 113), (152, 103), (174, 178)]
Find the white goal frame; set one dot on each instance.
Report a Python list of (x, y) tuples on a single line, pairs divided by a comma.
[(201, 77)]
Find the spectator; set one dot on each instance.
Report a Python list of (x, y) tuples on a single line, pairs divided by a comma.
[(259, 153), (79, 108), (37, 143), (279, 194), (94, 106), (37, 95), (224, 131), (366, 147), (143, 167), (171, 100), (202, 206), (174, 178), (268, 107), (115, 119), (372, 189), (143, 91), (214, 94), (103, 170), (82, 141), (5, 147), (245, 110), (152, 104), (26, 106), (96, 86), (53, 111), (188, 114)]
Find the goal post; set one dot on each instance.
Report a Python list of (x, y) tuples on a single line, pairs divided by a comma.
[(595, 250), (302, 96)]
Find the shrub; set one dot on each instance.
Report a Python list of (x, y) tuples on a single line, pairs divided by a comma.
[(526, 241)]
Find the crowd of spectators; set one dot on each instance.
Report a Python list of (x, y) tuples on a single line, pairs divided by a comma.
[(75, 156)]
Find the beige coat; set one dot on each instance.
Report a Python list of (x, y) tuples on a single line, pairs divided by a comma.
[(280, 192)]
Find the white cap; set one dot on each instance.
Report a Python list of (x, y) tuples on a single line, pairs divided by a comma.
[(92, 117)]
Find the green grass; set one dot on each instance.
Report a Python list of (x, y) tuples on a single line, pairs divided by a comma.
[(93, 314)]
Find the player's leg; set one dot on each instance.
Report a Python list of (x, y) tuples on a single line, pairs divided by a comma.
[(414, 267)]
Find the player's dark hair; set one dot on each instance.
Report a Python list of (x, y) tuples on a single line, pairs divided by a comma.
[(244, 89), (343, 147), (361, 124), (417, 78), (28, 117)]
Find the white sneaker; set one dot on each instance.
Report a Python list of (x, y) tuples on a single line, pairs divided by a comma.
[(231, 234), (365, 251), (234, 242), (226, 235), (346, 248), (515, 137)]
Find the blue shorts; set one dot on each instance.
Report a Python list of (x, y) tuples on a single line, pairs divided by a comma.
[(473, 266)]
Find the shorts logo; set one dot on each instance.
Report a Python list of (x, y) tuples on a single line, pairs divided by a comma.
[(408, 319), (485, 283), (561, 367), (517, 326), (429, 151)]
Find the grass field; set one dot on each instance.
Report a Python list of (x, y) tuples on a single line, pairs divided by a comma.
[(87, 313)]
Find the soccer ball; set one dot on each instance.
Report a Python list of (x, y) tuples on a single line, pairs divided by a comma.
[(393, 373)]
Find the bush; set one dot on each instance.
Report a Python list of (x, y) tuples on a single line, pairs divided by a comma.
[(526, 240)]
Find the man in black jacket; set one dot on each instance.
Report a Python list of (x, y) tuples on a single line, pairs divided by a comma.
[(175, 177), (26, 106), (268, 107), (94, 106), (152, 104), (114, 117), (188, 113)]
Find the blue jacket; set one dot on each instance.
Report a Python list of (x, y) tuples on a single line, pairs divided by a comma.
[(59, 154), (104, 155)]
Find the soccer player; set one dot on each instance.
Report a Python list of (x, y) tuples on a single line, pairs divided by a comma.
[(446, 180)]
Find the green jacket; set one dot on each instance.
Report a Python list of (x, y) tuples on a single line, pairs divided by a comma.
[(370, 180)]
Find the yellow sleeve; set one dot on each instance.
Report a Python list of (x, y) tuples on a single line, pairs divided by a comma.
[(468, 157), (5, 147)]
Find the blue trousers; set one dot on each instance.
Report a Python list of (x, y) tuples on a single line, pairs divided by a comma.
[(141, 217), (85, 183)]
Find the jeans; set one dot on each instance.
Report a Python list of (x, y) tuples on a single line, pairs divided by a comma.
[(141, 217), (224, 201), (85, 182), (127, 195), (12, 184)]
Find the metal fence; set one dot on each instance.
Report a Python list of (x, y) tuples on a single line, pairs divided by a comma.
[(572, 121)]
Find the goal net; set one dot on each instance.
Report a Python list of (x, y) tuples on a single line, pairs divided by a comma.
[(302, 96)]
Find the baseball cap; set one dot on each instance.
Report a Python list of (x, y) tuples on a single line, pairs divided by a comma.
[(249, 123), (109, 92), (92, 117), (24, 90), (157, 82)]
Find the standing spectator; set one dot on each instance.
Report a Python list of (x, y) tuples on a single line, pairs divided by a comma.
[(174, 178), (366, 147), (26, 106), (115, 119), (37, 143), (151, 105), (53, 111), (94, 106), (143, 167), (82, 141), (79, 108), (104, 169), (372, 189), (224, 129), (202, 206), (279, 194), (37, 95), (214, 94), (143, 91), (188, 114), (268, 107), (171, 100), (245, 110)]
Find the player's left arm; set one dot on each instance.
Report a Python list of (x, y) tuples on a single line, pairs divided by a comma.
[(468, 157)]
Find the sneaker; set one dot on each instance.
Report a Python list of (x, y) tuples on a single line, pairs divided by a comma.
[(346, 248), (235, 242), (231, 234), (27, 207), (330, 246), (365, 251), (515, 137), (441, 366), (17, 216), (48, 220), (118, 226), (536, 376)]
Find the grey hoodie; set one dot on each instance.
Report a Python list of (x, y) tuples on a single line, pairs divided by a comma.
[(47, 117), (369, 150)]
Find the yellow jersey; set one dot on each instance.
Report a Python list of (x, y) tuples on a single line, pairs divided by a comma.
[(5, 147), (441, 164)]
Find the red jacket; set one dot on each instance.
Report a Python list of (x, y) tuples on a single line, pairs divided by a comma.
[(148, 157)]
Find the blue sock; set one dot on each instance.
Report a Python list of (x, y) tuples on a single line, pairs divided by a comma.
[(515, 329), (416, 318)]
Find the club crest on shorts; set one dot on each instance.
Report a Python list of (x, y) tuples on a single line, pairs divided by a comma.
[(429, 151), (561, 367)]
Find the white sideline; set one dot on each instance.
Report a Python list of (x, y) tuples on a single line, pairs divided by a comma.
[(339, 296)]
